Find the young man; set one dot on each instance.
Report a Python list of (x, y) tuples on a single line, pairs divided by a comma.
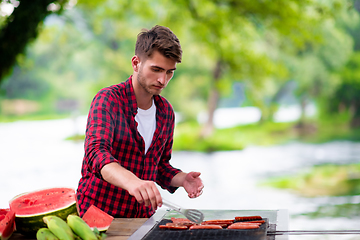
[(129, 136)]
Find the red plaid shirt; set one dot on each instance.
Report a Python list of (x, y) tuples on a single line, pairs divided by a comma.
[(112, 136)]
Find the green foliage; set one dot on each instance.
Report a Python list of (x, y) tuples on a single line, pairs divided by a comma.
[(261, 44), (322, 180), (187, 137), (20, 28), (347, 210), (347, 93)]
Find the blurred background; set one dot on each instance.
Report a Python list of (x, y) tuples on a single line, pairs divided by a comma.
[(267, 98)]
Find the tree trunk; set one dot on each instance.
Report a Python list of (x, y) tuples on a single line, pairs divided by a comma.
[(355, 120), (212, 102), (300, 126)]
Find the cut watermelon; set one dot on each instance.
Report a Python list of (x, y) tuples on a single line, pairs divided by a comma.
[(7, 223), (96, 218), (30, 208)]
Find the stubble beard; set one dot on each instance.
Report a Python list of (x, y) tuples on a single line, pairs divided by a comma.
[(142, 83)]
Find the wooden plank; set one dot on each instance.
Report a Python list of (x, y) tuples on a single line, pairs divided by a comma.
[(120, 229), (123, 228)]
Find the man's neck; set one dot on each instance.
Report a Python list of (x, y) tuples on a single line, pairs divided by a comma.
[(144, 104), (143, 98)]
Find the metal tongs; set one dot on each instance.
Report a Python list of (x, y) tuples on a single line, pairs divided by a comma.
[(193, 215)]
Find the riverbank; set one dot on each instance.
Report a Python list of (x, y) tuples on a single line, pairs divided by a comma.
[(35, 155)]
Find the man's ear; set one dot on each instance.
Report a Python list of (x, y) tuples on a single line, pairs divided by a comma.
[(135, 62)]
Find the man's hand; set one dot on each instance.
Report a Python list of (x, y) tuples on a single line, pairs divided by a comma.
[(191, 182), (144, 191)]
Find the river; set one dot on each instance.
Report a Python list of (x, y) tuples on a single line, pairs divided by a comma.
[(34, 155)]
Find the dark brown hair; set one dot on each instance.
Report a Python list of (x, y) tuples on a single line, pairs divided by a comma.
[(161, 39)]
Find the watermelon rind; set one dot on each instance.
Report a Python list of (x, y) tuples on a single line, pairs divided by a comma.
[(28, 223)]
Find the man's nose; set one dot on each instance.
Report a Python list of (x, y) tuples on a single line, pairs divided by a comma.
[(162, 78)]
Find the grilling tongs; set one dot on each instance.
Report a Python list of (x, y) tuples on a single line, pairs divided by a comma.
[(193, 215)]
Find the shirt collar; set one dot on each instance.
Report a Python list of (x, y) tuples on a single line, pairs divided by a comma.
[(131, 96)]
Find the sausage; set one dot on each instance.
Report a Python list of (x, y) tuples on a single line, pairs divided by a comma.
[(243, 226), (173, 227), (219, 221), (223, 225), (205, 227), (248, 218), (186, 224), (177, 220), (257, 221), (247, 223)]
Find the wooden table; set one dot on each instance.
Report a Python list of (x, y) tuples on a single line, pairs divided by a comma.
[(120, 229), (123, 228)]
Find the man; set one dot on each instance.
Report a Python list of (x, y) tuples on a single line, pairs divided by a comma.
[(129, 136)]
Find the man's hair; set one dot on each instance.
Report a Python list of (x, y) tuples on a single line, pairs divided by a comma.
[(160, 39)]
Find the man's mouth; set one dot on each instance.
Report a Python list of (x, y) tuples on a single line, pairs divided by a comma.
[(158, 87)]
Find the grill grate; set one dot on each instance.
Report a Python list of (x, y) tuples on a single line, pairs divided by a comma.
[(250, 234)]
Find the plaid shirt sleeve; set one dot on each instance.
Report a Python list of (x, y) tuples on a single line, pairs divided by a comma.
[(100, 131)]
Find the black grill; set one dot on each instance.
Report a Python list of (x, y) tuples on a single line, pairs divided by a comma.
[(249, 234)]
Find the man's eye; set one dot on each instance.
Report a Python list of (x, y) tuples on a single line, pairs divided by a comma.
[(156, 70)]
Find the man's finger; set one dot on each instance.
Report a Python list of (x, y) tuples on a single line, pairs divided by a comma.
[(196, 174), (145, 197), (138, 197), (158, 197)]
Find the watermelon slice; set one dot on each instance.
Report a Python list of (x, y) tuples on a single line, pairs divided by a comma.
[(7, 223), (30, 208), (96, 218)]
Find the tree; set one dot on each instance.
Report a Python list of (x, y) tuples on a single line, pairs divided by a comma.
[(21, 27), (347, 94), (237, 40), (244, 40)]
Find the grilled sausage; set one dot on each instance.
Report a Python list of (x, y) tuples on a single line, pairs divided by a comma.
[(219, 221), (223, 225), (205, 227), (177, 220), (173, 227), (256, 221), (187, 224), (243, 226), (248, 218), (247, 223)]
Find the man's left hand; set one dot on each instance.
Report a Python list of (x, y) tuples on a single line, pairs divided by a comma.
[(193, 184)]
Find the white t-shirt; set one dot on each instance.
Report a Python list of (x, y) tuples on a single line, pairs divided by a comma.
[(146, 120)]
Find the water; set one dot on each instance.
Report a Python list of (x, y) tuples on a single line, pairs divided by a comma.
[(34, 155)]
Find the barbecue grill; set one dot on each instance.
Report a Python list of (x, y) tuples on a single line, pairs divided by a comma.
[(277, 220)]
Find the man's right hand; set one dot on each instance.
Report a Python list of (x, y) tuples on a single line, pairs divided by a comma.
[(144, 191)]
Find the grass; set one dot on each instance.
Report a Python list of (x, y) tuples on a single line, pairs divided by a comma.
[(187, 137), (321, 180), (33, 117)]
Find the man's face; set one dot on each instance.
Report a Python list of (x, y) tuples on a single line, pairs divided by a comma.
[(155, 73)]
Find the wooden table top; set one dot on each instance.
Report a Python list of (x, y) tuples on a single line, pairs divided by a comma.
[(120, 229)]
